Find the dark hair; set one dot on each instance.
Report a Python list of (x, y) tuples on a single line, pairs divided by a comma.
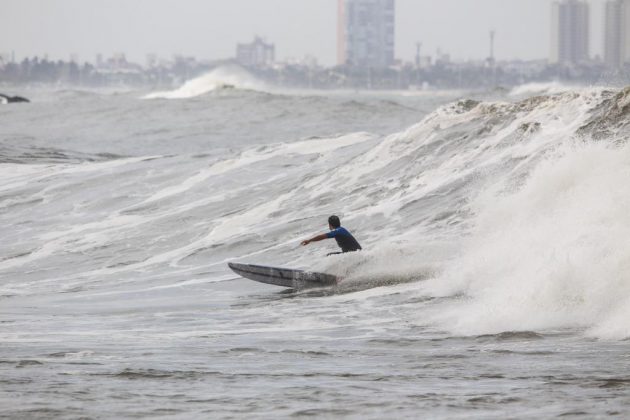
[(334, 221)]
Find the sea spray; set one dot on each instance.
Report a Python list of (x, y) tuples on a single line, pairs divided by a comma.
[(224, 77), (554, 254)]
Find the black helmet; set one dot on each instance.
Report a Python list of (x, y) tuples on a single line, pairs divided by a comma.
[(334, 221)]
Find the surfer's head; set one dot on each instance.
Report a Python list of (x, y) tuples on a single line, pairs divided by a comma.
[(334, 222)]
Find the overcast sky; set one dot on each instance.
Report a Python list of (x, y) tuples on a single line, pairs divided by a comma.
[(210, 29)]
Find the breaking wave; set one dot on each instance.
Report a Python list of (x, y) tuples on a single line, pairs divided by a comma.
[(540, 207), (553, 254), (514, 212), (549, 88), (224, 77)]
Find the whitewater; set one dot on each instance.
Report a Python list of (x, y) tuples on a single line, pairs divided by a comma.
[(494, 280)]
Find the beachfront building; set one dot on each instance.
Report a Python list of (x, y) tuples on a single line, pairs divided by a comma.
[(617, 33), (256, 54), (365, 33), (570, 32)]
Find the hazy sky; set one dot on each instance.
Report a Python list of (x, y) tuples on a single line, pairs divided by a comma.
[(209, 29)]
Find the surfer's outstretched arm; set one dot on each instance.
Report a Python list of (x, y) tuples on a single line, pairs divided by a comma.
[(314, 239)]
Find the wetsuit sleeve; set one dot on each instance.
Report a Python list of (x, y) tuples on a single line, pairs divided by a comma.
[(337, 232)]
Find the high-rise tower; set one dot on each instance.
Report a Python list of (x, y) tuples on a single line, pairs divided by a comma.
[(617, 33), (570, 31), (365, 33)]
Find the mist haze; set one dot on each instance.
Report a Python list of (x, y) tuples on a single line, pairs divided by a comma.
[(211, 29)]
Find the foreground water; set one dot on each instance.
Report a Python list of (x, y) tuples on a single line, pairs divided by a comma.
[(494, 280)]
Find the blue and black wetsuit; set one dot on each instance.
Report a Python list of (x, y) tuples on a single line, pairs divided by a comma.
[(344, 239)]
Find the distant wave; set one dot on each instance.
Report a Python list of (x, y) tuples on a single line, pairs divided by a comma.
[(220, 78), (26, 154), (546, 88), (78, 93)]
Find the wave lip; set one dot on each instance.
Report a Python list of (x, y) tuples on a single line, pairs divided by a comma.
[(224, 77)]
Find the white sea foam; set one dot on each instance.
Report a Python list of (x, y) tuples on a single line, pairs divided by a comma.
[(222, 77), (539, 88), (553, 254)]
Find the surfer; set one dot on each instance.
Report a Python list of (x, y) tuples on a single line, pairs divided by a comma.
[(344, 239)]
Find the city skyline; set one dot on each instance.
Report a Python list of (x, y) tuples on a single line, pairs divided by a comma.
[(306, 28)]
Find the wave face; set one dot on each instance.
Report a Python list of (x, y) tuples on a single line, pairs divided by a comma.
[(224, 77), (495, 233), (539, 205)]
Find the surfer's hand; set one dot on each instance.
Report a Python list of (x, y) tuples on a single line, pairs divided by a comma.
[(303, 243)]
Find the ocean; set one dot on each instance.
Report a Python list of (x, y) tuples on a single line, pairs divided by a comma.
[(494, 280)]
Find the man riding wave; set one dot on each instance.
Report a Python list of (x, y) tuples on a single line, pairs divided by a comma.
[(344, 239)]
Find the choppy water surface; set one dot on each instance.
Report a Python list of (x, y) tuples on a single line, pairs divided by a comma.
[(494, 281)]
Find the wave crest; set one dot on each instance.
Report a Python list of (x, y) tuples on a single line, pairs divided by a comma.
[(224, 77)]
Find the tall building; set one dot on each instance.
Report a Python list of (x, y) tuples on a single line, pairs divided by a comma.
[(256, 54), (365, 33), (617, 33), (570, 31)]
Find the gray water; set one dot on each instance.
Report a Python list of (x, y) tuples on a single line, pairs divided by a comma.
[(493, 281)]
